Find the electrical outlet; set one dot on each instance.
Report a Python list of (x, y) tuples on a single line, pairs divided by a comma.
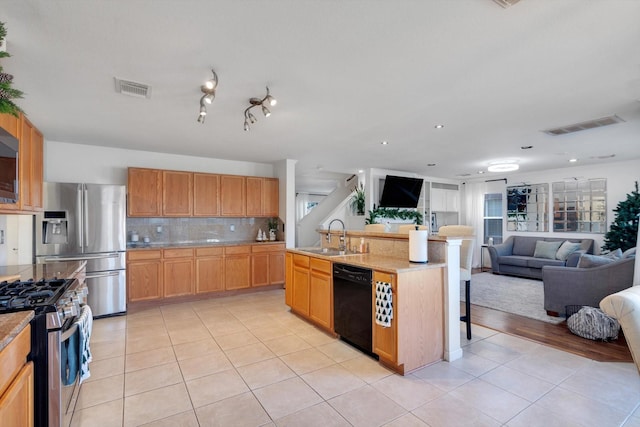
[(1, 237), (159, 229), (232, 227)]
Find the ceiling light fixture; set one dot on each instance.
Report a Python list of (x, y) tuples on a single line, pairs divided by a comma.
[(249, 118), (209, 91), (503, 167), (438, 126), (384, 143), (573, 160)]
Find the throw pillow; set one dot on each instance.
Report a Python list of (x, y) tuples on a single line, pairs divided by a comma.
[(617, 254), (590, 261), (629, 253), (566, 249), (546, 249)]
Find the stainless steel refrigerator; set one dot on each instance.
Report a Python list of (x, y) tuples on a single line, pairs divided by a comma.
[(87, 222)]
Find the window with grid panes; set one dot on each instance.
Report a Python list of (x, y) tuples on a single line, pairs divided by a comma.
[(493, 217)]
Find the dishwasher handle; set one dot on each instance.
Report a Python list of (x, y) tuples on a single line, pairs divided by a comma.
[(351, 273)]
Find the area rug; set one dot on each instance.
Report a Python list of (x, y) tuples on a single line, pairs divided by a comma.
[(524, 297)]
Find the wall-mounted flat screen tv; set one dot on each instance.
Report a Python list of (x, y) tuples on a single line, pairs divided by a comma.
[(400, 192)]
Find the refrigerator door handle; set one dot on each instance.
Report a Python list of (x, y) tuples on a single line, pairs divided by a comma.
[(85, 211), (79, 225), (99, 275), (81, 257)]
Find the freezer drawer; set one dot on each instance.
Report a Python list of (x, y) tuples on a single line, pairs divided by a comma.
[(107, 292), (95, 262)]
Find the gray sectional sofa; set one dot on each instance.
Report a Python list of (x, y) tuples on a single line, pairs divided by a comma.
[(515, 256)]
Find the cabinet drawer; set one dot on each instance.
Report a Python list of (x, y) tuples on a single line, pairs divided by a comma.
[(301, 260), (321, 265), (178, 253), (233, 250), (267, 248), (209, 251), (143, 255), (13, 357)]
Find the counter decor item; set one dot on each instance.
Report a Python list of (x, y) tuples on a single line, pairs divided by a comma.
[(418, 245), (272, 235), (357, 200), (7, 93)]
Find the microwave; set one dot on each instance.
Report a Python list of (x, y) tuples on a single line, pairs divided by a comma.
[(8, 168)]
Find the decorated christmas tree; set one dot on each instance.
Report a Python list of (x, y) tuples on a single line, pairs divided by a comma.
[(624, 230), (7, 93)]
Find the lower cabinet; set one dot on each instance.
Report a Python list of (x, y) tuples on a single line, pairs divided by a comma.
[(267, 265), (309, 289), (144, 275), (300, 284), (237, 267), (385, 339), (16, 382), (209, 270), (178, 272), (288, 281)]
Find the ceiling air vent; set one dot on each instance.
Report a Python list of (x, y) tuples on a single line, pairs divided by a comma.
[(126, 87), (506, 3), (590, 124)]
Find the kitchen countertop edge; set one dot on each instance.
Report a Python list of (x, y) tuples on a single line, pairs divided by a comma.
[(11, 324), (158, 246)]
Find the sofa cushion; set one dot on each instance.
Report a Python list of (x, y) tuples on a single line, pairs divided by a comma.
[(629, 253), (546, 249), (541, 262), (523, 246), (590, 261), (520, 261), (566, 249)]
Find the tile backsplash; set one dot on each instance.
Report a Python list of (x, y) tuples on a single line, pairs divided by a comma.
[(197, 230)]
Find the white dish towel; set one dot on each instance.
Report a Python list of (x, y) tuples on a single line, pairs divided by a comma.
[(384, 304), (85, 324)]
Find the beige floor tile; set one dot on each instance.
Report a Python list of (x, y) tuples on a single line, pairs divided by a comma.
[(147, 331), (286, 344), (548, 364), (184, 419), (238, 411), (107, 349), (152, 378), (514, 343), (156, 405), (492, 351), (101, 335), (332, 381), (366, 368), (366, 407), (474, 365), (225, 328), (183, 323), (632, 422), (100, 391), (307, 360), (408, 391), (408, 420), (196, 348), (444, 375), (317, 338), (150, 320), (320, 415), (339, 351), (216, 387), (201, 366), (181, 336), (107, 414), (493, 401), (518, 383), (149, 312), (248, 354), (264, 373), (238, 339), (269, 332), (536, 416), (149, 358), (104, 368), (286, 397), (137, 345), (110, 323), (449, 411)]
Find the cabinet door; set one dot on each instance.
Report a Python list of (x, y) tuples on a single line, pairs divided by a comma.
[(177, 193), (144, 192), (209, 274), (11, 124), (288, 287), (301, 290), (270, 194), (232, 195), (144, 280), (24, 156), (385, 340), (438, 200), (254, 196), (260, 269), (452, 200), (320, 309), (16, 404), (37, 168), (178, 277), (206, 194), (276, 268)]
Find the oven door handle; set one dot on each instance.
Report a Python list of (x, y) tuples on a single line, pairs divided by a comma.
[(99, 275), (66, 334), (82, 258)]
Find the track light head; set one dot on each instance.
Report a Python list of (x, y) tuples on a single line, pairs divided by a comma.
[(212, 83), (268, 100), (209, 94), (266, 111), (246, 126)]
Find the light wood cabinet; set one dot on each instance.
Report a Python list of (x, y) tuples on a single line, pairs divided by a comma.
[(37, 169), (301, 279), (270, 197), (144, 275), (385, 339), (232, 195), (254, 199), (267, 264), (11, 124), (259, 269), (276, 267), (206, 194), (209, 270), (144, 198), (16, 381), (177, 193), (288, 281), (177, 267), (321, 293), (237, 267)]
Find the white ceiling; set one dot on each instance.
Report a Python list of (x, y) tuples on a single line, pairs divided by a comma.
[(347, 74)]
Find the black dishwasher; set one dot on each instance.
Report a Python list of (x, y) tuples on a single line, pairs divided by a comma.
[(352, 305)]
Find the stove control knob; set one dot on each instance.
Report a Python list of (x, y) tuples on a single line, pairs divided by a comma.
[(76, 298), (70, 310)]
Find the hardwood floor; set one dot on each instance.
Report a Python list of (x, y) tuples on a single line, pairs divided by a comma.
[(557, 336)]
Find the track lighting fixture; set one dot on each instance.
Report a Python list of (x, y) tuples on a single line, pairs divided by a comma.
[(249, 118), (209, 94)]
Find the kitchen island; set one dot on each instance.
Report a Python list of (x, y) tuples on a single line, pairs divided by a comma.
[(425, 324)]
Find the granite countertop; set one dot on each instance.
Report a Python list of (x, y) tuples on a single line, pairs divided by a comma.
[(383, 263), (11, 324), (63, 269), (157, 245)]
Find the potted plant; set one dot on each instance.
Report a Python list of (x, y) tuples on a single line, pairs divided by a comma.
[(272, 225), (357, 200), (7, 92)]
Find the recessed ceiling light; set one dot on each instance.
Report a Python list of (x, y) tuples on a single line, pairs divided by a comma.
[(360, 171), (480, 172), (384, 143), (503, 167), (526, 147), (438, 126), (573, 160), (431, 164)]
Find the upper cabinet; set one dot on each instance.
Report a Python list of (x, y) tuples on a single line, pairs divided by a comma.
[(157, 193), (29, 164)]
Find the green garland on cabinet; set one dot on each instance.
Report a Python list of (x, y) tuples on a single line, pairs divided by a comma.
[(7, 93), (395, 214)]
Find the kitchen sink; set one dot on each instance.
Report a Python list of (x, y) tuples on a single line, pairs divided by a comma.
[(327, 251)]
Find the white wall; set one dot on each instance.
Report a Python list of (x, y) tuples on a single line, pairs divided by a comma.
[(65, 162)]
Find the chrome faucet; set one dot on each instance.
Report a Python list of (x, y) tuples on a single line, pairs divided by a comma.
[(342, 245)]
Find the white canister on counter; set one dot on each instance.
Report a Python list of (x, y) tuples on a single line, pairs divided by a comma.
[(418, 245), (134, 237)]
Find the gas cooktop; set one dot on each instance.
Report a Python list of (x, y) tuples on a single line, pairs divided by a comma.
[(31, 294)]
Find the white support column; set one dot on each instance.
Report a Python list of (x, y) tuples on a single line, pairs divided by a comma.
[(452, 349)]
